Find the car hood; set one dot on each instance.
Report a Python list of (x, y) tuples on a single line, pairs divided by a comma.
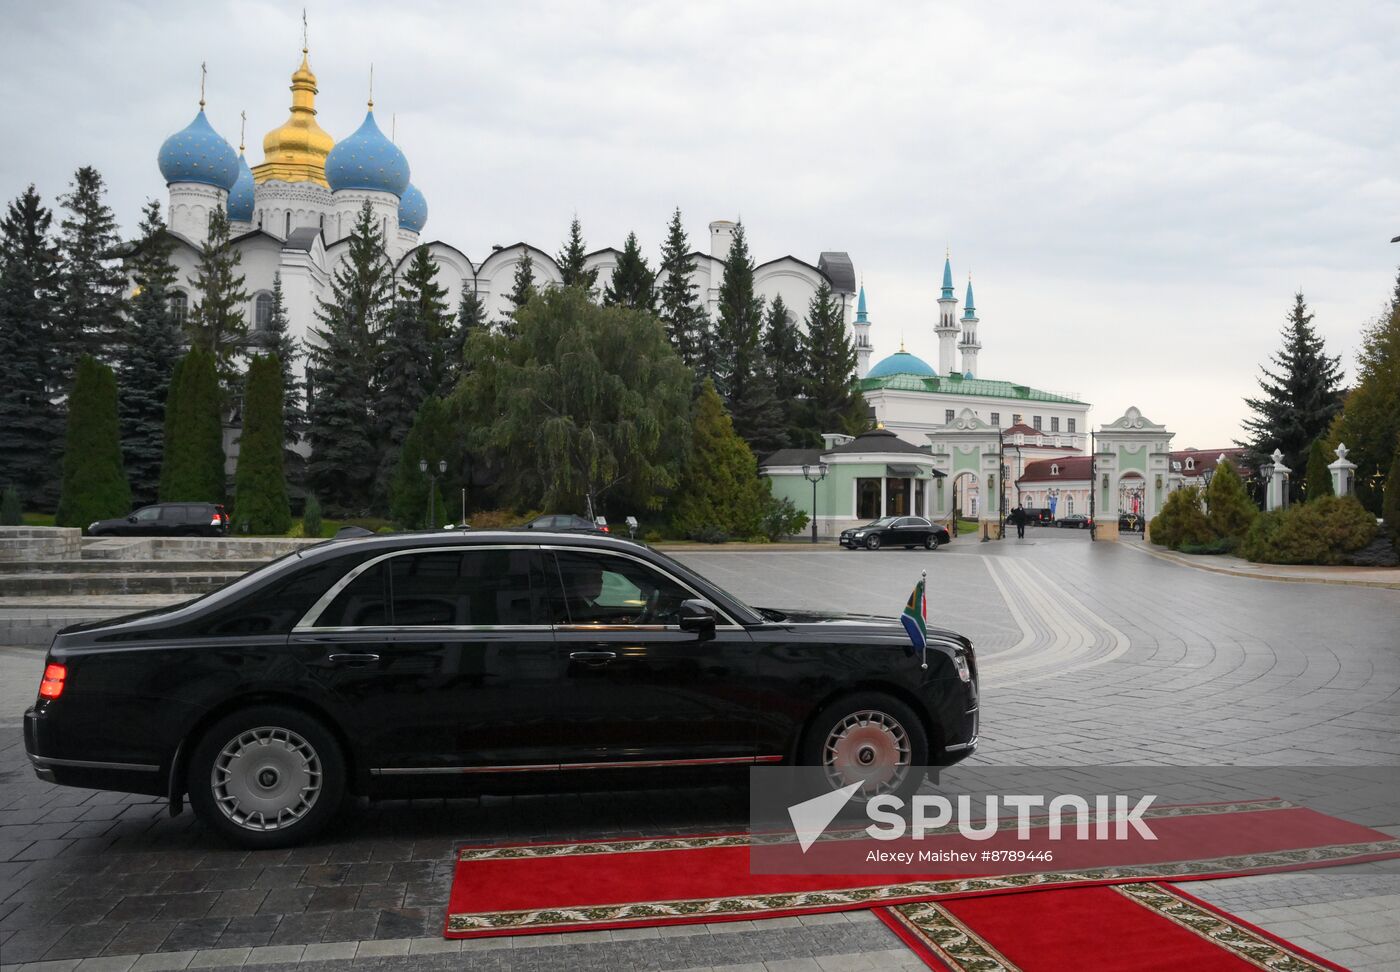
[(852, 623)]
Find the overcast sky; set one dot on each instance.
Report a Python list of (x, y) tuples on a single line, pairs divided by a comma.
[(1137, 189)]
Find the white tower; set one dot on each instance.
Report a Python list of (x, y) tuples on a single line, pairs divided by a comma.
[(199, 169), (969, 346), (861, 329), (947, 329)]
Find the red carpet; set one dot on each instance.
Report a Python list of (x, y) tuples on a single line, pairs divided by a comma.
[(538, 888), (1141, 927)]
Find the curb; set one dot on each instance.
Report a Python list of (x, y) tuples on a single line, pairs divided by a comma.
[(1282, 578)]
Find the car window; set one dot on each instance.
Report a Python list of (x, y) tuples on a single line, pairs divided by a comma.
[(918, 521), (463, 587), (360, 604), (147, 514), (603, 589)]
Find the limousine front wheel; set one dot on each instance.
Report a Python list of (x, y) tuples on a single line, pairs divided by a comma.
[(267, 776), (868, 738)]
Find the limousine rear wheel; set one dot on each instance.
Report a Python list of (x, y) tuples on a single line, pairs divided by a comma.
[(931, 542), (267, 776), (870, 738)]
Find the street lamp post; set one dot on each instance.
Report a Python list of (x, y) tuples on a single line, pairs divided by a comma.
[(814, 476), (423, 467)]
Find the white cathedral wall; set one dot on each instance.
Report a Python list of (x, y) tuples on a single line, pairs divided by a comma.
[(279, 207), (912, 415), (190, 206)]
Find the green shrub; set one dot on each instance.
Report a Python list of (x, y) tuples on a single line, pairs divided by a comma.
[(1320, 532), (311, 517), (1319, 477), (1231, 511), (10, 512), (782, 519), (260, 499), (652, 536), (1220, 545), (94, 480), (1182, 521), (1390, 504), (710, 534)]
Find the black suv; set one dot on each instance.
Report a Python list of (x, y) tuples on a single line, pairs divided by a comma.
[(166, 520)]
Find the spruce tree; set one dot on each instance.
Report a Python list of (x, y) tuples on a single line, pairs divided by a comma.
[(1300, 399), (93, 282), (720, 487), (260, 502), (410, 360), (785, 365), (1370, 421), (571, 261), (522, 291), (1319, 477), (151, 346), (1390, 506), (471, 319), (686, 323), (742, 383), (831, 367), (277, 339), (217, 322), (434, 437), (31, 425), (633, 284), (341, 405), (94, 483), (193, 464)]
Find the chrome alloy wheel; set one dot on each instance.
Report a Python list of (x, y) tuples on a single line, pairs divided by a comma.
[(868, 747), (266, 778)]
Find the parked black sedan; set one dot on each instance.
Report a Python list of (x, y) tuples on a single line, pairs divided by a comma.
[(1075, 521), (434, 662), (895, 531)]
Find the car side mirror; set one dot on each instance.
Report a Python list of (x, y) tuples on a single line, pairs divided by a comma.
[(698, 616), (131, 518)]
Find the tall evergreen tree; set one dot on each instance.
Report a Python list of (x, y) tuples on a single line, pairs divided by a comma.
[(522, 291), (260, 502), (1300, 399), (30, 330), (217, 322), (633, 283), (471, 319), (277, 339), (1319, 477), (1370, 421), (720, 487), (93, 282), (341, 403), (831, 367), (571, 261), (412, 359), (94, 484), (741, 383), (433, 438), (150, 347), (686, 323), (785, 365), (192, 467)]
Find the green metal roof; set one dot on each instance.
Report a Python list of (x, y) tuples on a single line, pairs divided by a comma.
[(961, 385)]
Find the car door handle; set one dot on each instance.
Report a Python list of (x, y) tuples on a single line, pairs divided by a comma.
[(592, 657), (353, 658)]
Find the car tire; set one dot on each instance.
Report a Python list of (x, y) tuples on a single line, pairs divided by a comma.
[(294, 752), (931, 542), (867, 722), (872, 543)]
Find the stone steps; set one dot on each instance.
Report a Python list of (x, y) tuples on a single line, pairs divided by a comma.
[(115, 566), (49, 584)]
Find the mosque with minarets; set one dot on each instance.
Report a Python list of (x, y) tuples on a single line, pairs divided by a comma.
[(292, 215)]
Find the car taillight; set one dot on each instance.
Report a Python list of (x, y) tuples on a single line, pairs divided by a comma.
[(52, 685)]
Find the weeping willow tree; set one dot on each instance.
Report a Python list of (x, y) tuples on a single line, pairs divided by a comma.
[(595, 397)]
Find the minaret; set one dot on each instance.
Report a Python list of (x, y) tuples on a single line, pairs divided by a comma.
[(969, 346), (947, 329), (861, 327)]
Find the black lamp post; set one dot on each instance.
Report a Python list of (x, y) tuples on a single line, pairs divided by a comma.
[(432, 487), (820, 474)]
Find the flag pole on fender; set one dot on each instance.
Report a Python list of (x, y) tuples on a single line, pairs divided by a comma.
[(915, 617)]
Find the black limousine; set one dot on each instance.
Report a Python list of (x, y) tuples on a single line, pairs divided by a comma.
[(436, 662)]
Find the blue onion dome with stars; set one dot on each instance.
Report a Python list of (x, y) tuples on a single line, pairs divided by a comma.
[(240, 197), (367, 160), (197, 153), (901, 363), (413, 209)]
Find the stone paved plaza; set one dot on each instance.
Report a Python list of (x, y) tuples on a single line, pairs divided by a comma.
[(1092, 654)]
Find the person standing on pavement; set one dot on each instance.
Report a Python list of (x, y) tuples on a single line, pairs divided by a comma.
[(1018, 517)]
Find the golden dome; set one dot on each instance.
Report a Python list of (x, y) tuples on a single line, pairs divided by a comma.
[(297, 151)]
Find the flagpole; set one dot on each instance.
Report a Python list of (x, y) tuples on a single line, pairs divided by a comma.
[(923, 586)]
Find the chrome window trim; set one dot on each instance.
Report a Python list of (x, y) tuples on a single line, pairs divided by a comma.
[(428, 628), (730, 622), (306, 622)]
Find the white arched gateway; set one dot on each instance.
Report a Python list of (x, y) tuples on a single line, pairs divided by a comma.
[(1134, 449)]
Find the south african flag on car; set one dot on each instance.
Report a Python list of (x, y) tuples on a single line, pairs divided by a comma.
[(915, 616)]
